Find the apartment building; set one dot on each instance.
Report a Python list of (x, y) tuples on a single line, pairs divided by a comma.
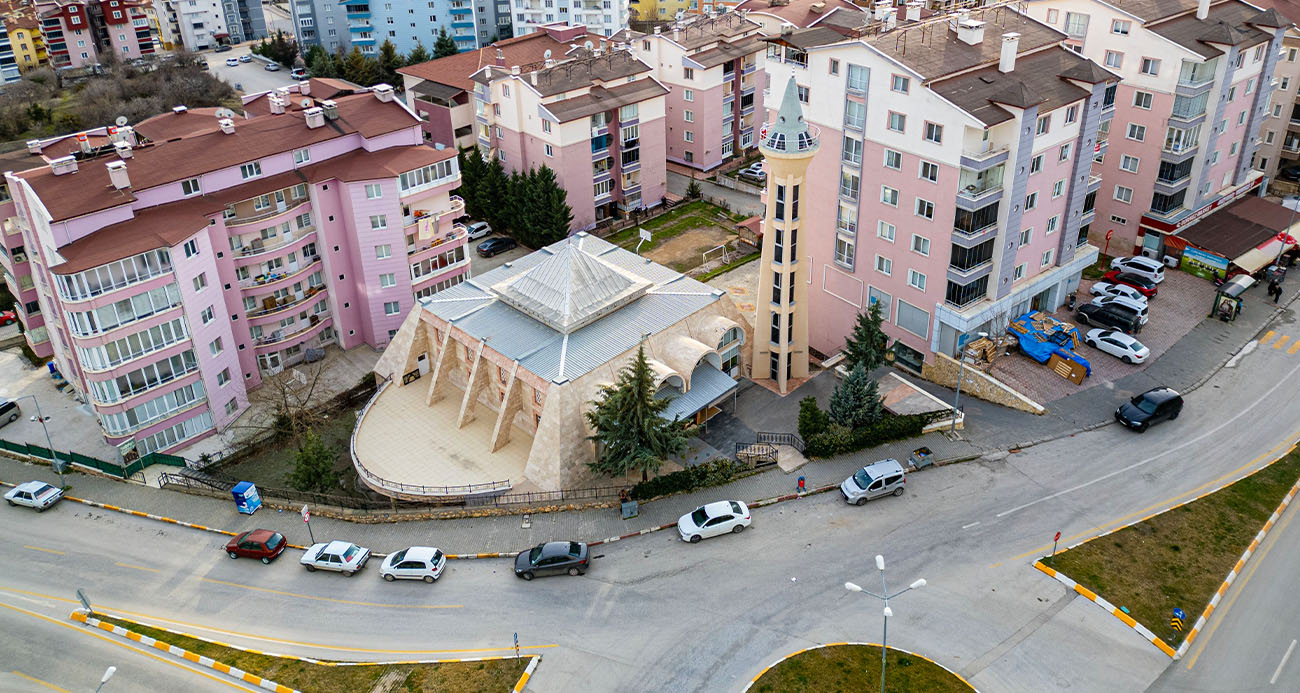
[(962, 146), (773, 16), (176, 274), (712, 65), (81, 32), (601, 17), (1279, 146), (1197, 80), (24, 33), (8, 63), (338, 26), (245, 20), (14, 259)]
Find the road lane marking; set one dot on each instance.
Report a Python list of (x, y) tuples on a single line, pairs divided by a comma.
[(132, 648), (1281, 342), (1268, 336), (970, 525), (53, 687), (37, 548), (137, 567), (331, 599), (1278, 670), (1294, 347)]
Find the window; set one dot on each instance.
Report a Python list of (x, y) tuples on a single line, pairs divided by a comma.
[(1232, 150), (913, 319), (688, 136), (921, 244), (802, 94), (1150, 66), (1120, 26), (1269, 137), (929, 171), (1064, 153), (628, 112), (546, 126), (885, 230), (1277, 110), (392, 307), (849, 184), (893, 160), (1036, 164), (1018, 273), (1031, 201), (688, 116), (1123, 194), (190, 187), (688, 94), (1119, 220), (1114, 59), (897, 122), (215, 346), (1071, 114), (223, 377), (852, 150), (1044, 124), (1259, 53), (1047, 257), (1129, 163), (855, 114), (934, 133), (1026, 236), (857, 78), (231, 406), (301, 156), (1142, 99), (388, 280), (1052, 225), (1241, 118), (1137, 132), (915, 279), (602, 188), (1058, 189), (383, 251), (835, 66), (374, 191), (688, 73), (924, 208), (191, 247), (208, 315), (252, 170), (201, 282), (550, 151), (378, 221), (1053, 16), (900, 84), (884, 265), (844, 251), (889, 195)]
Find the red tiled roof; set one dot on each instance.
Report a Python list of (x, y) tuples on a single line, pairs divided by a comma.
[(166, 126), (385, 163), (797, 12), (454, 70)]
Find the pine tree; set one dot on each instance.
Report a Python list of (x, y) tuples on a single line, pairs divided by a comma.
[(472, 171), (444, 46), (418, 55), (314, 465), (855, 403), (812, 420), (326, 65), (359, 69), (389, 61), (493, 196), (868, 344), (313, 55), (630, 431), (553, 214)]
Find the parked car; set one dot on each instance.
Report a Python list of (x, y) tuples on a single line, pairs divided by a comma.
[(1109, 289), (223, 49), (246, 58), (34, 494), (714, 519), (232, 62), (552, 558), (1150, 407), (1108, 316), (1142, 266), (258, 543), (8, 317), (492, 246), (339, 556), (1291, 173), (479, 229), (271, 67), (414, 563), (1117, 344), (299, 73), (877, 479), (9, 412), (754, 170), (1138, 308), (1144, 286)]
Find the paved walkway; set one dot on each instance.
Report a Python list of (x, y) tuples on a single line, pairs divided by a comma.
[(743, 203)]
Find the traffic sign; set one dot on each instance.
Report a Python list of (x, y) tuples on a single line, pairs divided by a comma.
[(1110, 233), (306, 514), (1057, 537), (1177, 621)]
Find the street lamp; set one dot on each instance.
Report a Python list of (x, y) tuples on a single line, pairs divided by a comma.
[(961, 372), (54, 458), (108, 674), (885, 596)]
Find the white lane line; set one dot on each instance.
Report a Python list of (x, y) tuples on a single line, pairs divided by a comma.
[(970, 525), (1185, 444), (1281, 664)]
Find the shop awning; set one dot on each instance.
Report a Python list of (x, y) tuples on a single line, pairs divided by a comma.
[(1258, 258)]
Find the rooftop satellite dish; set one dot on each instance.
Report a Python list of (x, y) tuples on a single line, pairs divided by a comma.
[(305, 103), (547, 54), (588, 45), (121, 120)]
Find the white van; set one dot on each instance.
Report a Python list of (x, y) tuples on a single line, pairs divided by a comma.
[(877, 479)]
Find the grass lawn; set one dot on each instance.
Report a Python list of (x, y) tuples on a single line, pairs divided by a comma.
[(1180, 557), (493, 675), (853, 668), (272, 461), (1098, 268)]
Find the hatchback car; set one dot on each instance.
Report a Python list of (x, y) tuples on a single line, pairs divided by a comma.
[(1151, 407), (552, 558), (271, 67), (414, 563), (1138, 264), (714, 519), (1109, 289), (339, 556), (34, 494), (298, 73), (1108, 316), (492, 246), (9, 412), (877, 479), (1138, 308), (1117, 344), (258, 543), (7, 317), (245, 58), (232, 62), (1144, 286), (479, 229)]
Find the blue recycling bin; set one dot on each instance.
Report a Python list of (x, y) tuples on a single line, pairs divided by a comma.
[(246, 499)]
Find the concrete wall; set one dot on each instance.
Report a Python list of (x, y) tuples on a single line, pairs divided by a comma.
[(976, 383)]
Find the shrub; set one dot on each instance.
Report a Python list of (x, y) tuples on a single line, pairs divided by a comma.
[(838, 440), (812, 420), (712, 473)]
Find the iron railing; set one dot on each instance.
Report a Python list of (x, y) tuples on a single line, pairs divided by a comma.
[(791, 439)]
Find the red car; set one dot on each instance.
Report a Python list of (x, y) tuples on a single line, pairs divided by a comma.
[(7, 317), (1144, 286), (259, 543)]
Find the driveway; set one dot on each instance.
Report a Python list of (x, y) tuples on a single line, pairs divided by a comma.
[(71, 424), (737, 201), (249, 78), (479, 265)]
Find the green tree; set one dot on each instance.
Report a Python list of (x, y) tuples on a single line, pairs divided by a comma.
[(693, 190), (418, 55), (314, 465), (812, 420), (313, 55), (472, 171), (550, 207), (359, 69), (855, 403), (326, 65), (444, 46), (282, 48), (868, 344), (630, 431), (389, 61), (492, 196)]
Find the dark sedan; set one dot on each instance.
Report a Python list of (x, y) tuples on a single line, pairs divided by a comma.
[(1151, 407), (1109, 316), (259, 543), (552, 558), (492, 246), (1145, 286)]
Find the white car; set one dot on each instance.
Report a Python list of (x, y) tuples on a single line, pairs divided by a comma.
[(1109, 289), (479, 229), (34, 494), (1117, 344), (713, 519), (339, 556), (232, 62), (415, 563), (1142, 266), (1138, 308)]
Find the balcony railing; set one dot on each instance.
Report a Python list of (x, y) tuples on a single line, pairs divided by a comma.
[(458, 231), (306, 265), (277, 210), (254, 250), (278, 337), (293, 303), (984, 151)]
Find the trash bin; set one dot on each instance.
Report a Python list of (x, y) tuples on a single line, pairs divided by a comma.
[(921, 457), (246, 499)]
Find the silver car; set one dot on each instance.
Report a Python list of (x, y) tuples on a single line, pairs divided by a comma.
[(877, 479), (1142, 266), (1109, 289), (339, 556), (34, 494)]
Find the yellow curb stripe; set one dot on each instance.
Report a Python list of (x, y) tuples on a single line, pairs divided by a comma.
[(37, 548), (190, 656), (35, 680), (1164, 647), (1128, 620), (1085, 592), (1294, 347)]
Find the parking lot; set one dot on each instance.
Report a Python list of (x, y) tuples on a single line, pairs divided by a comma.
[(250, 77)]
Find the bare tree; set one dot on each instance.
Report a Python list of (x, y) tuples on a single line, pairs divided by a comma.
[(287, 404)]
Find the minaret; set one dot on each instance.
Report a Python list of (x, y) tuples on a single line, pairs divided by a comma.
[(781, 323)]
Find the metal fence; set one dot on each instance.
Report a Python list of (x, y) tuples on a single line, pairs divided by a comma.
[(116, 469), (790, 439)]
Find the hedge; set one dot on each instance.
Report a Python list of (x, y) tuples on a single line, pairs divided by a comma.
[(706, 474), (838, 440)]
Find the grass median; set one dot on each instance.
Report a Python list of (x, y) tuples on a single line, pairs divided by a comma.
[(842, 668), (1178, 558), (490, 675)]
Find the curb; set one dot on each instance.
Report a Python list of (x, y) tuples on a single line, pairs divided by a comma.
[(1128, 620), (1236, 570), (838, 644), (183, 654), (528, 673)]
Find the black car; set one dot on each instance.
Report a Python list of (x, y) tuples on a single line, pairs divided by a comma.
[(1109, 316), (492, 246), (222, 49), (552, 558), (1291, 173), (1150, 407)]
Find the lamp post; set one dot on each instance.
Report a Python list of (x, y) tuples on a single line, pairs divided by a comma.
[(884, 596), (108, 674), (54, 458), (961, 373)]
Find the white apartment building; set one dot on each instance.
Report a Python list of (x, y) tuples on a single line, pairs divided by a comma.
[(601, 17)]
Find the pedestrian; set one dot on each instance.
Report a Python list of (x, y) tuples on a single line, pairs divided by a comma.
[(1274, 290)]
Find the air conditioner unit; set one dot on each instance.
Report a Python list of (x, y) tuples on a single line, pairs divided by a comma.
[(1149, 252), (1171, 262)]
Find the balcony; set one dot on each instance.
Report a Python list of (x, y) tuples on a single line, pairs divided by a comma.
[(308, 264), (807, 141), (276, 210), (290, 302), (257, 249), (456, 208), (458, 232), (279, 339), (974, 189)]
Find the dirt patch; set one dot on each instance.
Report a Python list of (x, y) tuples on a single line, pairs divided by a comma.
[(685, 250)]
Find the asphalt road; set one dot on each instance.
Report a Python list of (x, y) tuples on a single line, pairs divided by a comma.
[(249, 78), (657, 614)]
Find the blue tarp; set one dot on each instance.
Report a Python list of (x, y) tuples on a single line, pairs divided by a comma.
[(1051, 337)]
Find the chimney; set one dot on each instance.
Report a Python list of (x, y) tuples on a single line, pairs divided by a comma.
[(117, 174), (34, 146), (1010, 45), (330, 108), (63, 164), (914, 11), (878, 9), (315, 116), (304, 87), (1202, 9), (179, 110), (84, 141), (971, 32), (817, 7), (123, 149), (383, 92), (533, 75), (677, 34), (277, 104), (227, 126), (891, 18), (550, 62), (501, 58), (658, 30), (514, 70)]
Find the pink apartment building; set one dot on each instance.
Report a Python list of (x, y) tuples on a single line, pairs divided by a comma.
[(1197, 79), (712, 65), (175, 274), (81, 32), (962, 148), (14, 259)]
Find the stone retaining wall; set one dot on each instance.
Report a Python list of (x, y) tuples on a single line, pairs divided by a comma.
[(977, 383)]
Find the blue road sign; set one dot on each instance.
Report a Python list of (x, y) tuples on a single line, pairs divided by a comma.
[(1179, 614)]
